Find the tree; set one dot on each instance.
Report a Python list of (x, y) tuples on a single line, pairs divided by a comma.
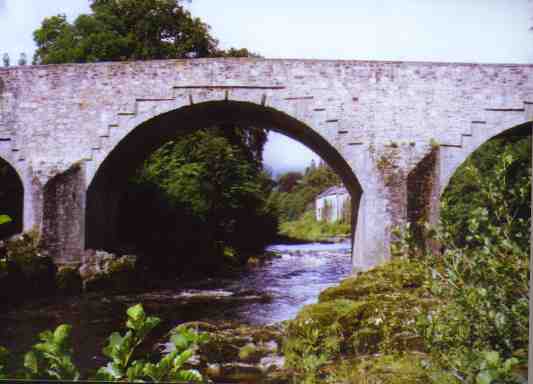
[(128, 30), (301, 192), (288, 181), (6, 60), (216, 198)]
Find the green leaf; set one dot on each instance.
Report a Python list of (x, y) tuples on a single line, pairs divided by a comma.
[(4, 219), (47, 336), (113, 344), (62, 333), (135, 373), (136, 314), (111, 370), (484, 377), (510, 363), (188, 375), (182, 358), (180, 341), (31, 363), (492, 357)]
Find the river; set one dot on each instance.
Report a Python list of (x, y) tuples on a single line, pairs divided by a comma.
[(266, 294)]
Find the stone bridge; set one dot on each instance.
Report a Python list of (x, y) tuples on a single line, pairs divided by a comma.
[(394, 131)]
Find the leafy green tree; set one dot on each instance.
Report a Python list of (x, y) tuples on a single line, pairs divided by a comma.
[(301, 197), (128, 30), (124, 30), (212, 195), (288, 181), (507, 160), (481, 278)]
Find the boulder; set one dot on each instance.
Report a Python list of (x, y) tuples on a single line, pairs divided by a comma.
[(101, 270)]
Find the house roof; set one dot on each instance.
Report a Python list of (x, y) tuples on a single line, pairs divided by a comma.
[(336, 190)]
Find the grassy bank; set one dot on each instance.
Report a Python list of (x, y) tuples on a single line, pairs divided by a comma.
[(308, 228)]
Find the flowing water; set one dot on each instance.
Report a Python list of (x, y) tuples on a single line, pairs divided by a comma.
[(272, 292)]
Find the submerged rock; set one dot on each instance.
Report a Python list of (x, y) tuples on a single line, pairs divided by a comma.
[(240, 353), (200, 296)]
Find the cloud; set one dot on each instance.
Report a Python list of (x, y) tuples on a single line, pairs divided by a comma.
[(283, 154), (2, 6)]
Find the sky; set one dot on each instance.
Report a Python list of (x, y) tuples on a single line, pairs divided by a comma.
[(486, 31)]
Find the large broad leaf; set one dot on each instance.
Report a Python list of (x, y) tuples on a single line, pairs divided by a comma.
[(110, 372), (47, 336), (4, 219), (188, 375), (113, 344), (181, 359), (484, 377), (136, 312), (181, 341), (492, 358), (136, 372), (61, 334), (31, 362)]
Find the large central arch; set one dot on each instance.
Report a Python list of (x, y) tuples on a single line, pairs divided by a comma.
[(111, 176)]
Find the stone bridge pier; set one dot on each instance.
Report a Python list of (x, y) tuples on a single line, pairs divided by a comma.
[(395, 132)]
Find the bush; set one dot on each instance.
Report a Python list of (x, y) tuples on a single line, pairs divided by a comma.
[(308, 228), (51, 358), (482, 274)]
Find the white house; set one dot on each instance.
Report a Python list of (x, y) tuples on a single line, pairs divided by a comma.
[(330, 204)]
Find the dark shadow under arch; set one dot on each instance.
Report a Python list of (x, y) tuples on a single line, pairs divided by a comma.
[(11, 200), (513, 133), (105, 189)]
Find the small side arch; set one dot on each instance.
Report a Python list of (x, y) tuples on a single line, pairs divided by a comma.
[(450, 163), (11, 199)]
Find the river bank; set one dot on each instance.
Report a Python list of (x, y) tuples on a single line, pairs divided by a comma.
[(259, 296)]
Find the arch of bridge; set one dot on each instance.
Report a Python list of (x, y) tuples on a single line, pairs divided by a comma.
[(148, 131)]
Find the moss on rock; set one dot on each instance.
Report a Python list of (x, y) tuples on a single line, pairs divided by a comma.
[(380, 369), (394, 276), (371, 314), (105, 271)]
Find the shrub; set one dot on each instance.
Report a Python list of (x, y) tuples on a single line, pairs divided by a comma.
[(51, 358), (482, 274), (308, 228)]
